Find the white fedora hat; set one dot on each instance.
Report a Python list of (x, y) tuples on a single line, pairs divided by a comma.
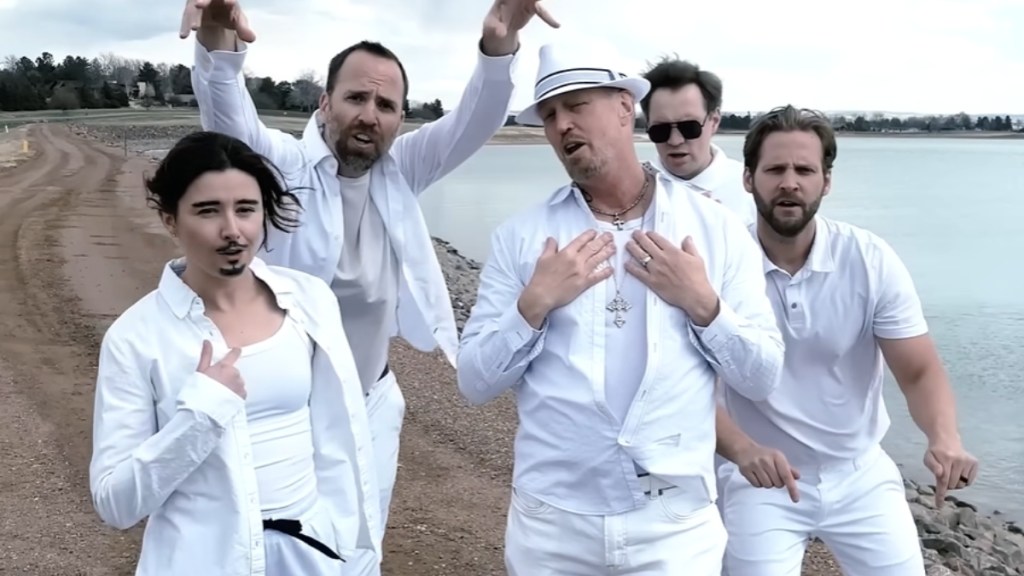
[(558, 75)]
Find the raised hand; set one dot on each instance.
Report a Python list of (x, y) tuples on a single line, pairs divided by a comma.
[(509, 16), (221, 14), (562, 275), (223, 371)]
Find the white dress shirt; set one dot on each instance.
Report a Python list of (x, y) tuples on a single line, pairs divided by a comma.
[(415, 161), (722, 180), (853, 290), (173, 445), (570, 450)]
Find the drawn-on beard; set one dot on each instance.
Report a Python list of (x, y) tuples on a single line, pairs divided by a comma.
[(235, 267), (233, 270)]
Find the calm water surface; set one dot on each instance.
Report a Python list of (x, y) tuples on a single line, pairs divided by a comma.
[(950, 207)]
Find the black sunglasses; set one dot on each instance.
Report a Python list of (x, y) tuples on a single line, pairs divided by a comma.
[(688, 129)]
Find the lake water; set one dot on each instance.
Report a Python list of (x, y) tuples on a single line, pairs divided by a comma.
[(950, 207)]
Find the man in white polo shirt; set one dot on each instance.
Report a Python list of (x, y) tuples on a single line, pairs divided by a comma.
[(845, 304), (608, 309), (683, 112)]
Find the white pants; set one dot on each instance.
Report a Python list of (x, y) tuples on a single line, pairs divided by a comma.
[(288, 556), (385, 406), (675, 533), (858, 508)]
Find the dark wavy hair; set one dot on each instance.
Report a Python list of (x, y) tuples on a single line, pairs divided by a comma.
[(202, 152)]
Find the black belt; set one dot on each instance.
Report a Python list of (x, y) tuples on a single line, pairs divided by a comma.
[(293, 528), (383, 374)]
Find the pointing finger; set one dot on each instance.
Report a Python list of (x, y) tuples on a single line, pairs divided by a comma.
[(205, 355), (544, 15), (788, 479)]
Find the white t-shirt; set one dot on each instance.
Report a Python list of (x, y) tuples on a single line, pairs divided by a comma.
[(366, 280)]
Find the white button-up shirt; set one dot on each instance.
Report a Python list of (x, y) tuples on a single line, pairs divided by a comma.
[(570, 450), (852, 290), (172, 444), (722, 180), (416, 160)]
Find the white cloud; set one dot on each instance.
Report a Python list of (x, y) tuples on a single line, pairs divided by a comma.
[(899, 55)]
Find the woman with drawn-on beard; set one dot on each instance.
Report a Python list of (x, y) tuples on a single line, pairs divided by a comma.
[(218, 393)]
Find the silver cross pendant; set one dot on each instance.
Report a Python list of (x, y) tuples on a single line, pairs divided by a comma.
[(619, 306)]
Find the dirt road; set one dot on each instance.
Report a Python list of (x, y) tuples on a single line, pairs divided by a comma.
[(77, 247)]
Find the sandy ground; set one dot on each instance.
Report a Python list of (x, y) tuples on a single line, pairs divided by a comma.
[(77, 247)]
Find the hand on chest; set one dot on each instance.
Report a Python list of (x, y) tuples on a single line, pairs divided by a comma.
[(612, 261)]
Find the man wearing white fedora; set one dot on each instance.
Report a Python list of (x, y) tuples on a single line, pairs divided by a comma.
[(608, 309)]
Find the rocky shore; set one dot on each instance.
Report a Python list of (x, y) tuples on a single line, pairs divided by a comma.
[(956, 539)]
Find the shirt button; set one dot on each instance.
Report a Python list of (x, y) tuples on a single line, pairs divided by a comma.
[(793, 305)]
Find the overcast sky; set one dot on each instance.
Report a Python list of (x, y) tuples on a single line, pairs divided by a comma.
[(928, 56)]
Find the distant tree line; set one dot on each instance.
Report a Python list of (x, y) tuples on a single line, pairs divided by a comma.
[(112, 81), (882, 123)]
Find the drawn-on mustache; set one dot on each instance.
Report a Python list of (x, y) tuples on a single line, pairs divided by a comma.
[(231, 248)]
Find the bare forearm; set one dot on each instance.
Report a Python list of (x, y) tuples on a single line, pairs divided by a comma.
[(215, 38), (731, 441), (932, 405)]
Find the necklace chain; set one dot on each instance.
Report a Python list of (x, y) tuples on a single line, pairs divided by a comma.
[(617, 220), (619, 305)]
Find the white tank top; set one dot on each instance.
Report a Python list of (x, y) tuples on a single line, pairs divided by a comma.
[(278, 379)]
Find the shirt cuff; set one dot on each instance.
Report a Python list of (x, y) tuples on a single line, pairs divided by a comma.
[(517, 331), (496, 67), (714, 337), (206, 396), (221, 65)]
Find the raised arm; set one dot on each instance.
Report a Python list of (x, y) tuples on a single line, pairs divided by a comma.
[(135, 466), (225, 104), (429, 153)]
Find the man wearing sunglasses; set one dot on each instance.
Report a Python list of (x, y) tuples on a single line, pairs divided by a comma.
[(683, 111)]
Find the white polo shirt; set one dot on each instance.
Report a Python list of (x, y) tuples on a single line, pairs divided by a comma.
[(852, 290)]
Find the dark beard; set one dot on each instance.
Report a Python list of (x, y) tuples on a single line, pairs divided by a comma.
[(787, 228), (355, 162)]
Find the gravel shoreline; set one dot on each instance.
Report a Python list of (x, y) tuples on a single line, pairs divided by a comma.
[(956, 539)]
